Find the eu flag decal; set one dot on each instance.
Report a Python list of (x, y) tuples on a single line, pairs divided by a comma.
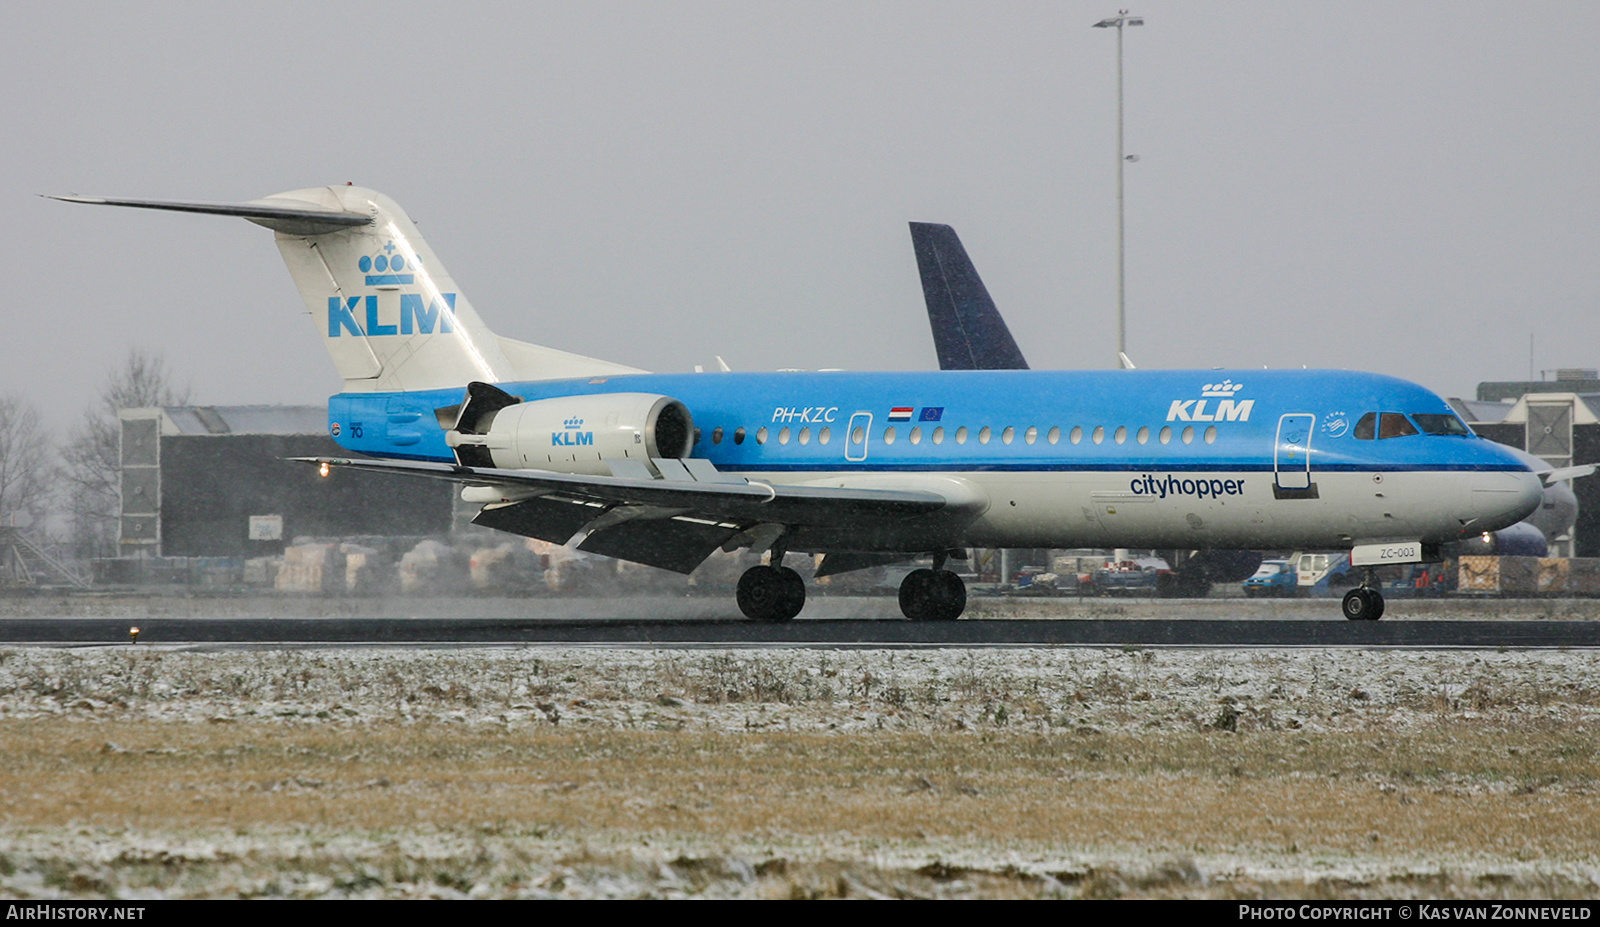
[(931, 414)]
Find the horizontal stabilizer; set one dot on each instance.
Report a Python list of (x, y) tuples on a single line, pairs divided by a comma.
[(290, 216), (968, 332)]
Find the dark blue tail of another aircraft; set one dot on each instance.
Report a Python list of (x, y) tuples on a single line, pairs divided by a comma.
[(968, 332)]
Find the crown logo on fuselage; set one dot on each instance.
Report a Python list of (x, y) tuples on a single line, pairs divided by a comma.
[(573, 422), (385, 268), (1227, 389)]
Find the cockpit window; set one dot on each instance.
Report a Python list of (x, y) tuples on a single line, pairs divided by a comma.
[(1367, 427), (1395, 425), (1445, 424)]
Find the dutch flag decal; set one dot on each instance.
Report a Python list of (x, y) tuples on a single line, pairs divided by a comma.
[(900, 414)]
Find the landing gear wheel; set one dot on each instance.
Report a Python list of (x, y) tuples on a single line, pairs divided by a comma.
[(1363, 604), (932, 595), (771, 593)]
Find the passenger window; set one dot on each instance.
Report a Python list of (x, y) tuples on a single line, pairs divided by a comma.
[(783, 435), (888, 435), (1188, 434), (1055, 435), (761, 435), (916, 435), (805, 436), (1031, 435), (1077, 433), (825, 435), (1395, 425), (1122, 434), (1166, 434), (961, 435), (1367, 427), (1008, 435), (1144, 435), (1211, 435), (1099, 433), (697, 434), (716, 435), (738, 436), (938, 435)]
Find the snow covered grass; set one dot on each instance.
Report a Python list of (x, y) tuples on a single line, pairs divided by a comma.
[(925, 773)]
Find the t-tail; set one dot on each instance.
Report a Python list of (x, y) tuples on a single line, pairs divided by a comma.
[(389, 313)]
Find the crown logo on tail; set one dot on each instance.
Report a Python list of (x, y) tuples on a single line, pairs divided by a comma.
[(386, 267)]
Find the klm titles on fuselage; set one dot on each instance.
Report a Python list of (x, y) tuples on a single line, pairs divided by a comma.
[(1228, 409), (1194, 410)]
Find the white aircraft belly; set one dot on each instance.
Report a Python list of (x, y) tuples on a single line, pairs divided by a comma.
[(1120, 508)]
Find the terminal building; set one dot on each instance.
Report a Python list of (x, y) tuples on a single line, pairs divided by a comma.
[(214, 481)]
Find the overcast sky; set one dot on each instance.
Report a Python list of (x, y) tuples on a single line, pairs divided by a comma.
[(1409, 188)]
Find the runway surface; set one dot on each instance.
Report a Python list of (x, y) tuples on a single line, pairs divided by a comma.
[(809, 632)]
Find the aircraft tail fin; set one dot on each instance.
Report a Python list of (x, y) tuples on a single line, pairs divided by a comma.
[(968, 332), (388, 312)]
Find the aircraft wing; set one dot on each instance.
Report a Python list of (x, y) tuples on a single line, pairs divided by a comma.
[(674, 521), (1551, 477)]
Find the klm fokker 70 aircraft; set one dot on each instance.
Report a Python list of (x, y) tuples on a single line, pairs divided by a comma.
[(864, 468)]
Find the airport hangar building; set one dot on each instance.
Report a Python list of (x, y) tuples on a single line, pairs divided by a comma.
[(213, 481)]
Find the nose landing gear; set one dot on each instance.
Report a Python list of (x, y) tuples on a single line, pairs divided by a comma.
[(1364, 603)]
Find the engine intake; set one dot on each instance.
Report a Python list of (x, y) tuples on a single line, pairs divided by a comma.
[(572, 434)]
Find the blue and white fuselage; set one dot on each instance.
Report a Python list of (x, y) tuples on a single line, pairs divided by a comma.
[(1063, 459)]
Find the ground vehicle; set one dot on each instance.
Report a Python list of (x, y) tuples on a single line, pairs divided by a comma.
[(1144, 576), (1319, 575), (1272, 578)]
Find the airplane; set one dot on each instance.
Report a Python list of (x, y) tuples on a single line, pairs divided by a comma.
[(862, 468), (970, 334)]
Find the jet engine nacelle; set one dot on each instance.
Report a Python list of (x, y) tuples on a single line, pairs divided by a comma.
[(575, 434)]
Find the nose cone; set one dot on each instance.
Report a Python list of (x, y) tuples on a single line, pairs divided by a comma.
[(1504, 498)]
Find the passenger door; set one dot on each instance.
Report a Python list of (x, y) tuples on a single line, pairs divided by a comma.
[(1291, 457)]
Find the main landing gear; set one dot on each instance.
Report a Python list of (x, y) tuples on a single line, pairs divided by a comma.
[(771, 593), (1364, 603), (932, 595), (776, 593)]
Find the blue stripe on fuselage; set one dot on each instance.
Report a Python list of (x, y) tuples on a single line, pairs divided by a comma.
[(1245, 438)]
